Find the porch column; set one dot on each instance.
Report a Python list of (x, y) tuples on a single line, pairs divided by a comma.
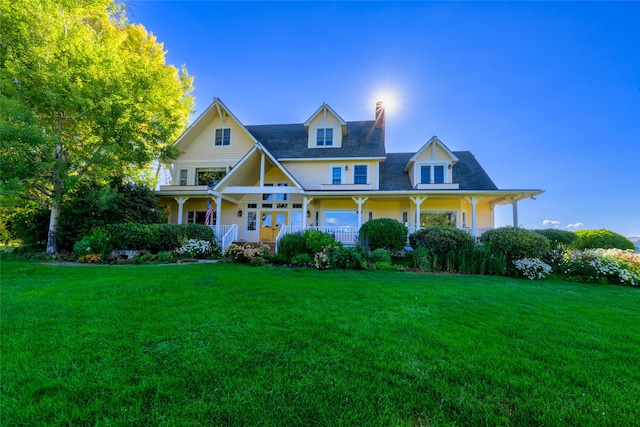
[(305, 207), (180, 201), (218, 215), (514, 205), (418, 201), (474, 201), (360, 201)]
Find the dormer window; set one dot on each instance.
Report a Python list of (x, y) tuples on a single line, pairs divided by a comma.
[(223, 137), (432, 174), (324, 137)]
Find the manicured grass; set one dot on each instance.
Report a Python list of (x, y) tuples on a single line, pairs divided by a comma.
[(225, 344)]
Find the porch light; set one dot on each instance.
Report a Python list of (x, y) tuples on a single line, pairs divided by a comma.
[(346, 167), (449, 165), (308, 214), (240, 212)]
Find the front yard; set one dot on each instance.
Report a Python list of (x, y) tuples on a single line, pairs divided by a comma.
[(228, 344)]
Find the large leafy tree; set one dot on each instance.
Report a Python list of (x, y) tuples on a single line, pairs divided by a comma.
[(84, 96)]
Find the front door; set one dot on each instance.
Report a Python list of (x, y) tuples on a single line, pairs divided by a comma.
[(270, 225)]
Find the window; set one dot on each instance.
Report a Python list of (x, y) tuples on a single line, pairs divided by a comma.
[(336, 175), (282, 196), (198, 217), (324, 137), (438, 174), (251, 220), (266, 196), (425, 174), (429, 218), (223, 136), (182, 179), (340, 218), (405, 218), (210, 176), (360, 174)]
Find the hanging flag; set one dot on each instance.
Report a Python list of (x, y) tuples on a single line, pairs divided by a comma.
[(209, 214)]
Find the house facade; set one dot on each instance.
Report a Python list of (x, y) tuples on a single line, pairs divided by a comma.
[(261, 182)]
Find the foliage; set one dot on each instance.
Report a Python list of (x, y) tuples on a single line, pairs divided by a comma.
[(602, 239), (257, 261), (441, 240), (315, 241), (158, 237), (380, 255), (292, 244), (301, 260), (245, 253), (349, 259), (323, 260), (515, 243), (474, 260), (612, 266), (199, 249), (384, 233), (90, 258), (556, 237), (532, 268), (279, 259), (29, 225), (84, 96)]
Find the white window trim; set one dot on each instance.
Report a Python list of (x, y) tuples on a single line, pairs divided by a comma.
[(331, 168), (417, 175), (187, 181), (353, 175), (215, 131)]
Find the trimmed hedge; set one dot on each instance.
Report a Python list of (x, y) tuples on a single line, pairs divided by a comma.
[(559, 237), (515, 243), (385, 233), (602, 239), (441, 240)]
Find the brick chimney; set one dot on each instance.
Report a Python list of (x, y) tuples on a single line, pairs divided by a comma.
[(379, 123)]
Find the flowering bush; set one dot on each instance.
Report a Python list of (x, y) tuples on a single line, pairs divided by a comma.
[(532, 268), (196, 248), (245, 253), (613, 266), (322, 260), (90, 258)]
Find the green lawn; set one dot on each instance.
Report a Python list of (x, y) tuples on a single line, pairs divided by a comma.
[(226, 344)]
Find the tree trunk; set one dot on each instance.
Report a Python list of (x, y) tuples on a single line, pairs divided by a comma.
[(52, 242)]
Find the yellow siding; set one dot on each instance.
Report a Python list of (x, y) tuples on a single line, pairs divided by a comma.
[(201, 149), (318, 120), (429, 154), (311, 175)]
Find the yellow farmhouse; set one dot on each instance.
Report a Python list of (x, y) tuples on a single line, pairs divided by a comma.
[(261, 182)]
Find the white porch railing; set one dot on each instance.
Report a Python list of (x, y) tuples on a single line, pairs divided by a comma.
[(346, 235), (226, 234)]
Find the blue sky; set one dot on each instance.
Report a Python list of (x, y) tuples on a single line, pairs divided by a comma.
[(546, 95)]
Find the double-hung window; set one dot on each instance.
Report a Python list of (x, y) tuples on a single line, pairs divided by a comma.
[(336, 175), (425, 174), (182, 179), (438, 174), (324, 137), (360, 174), (223, 137)]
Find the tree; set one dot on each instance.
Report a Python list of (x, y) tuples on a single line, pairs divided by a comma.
[(84, 96)]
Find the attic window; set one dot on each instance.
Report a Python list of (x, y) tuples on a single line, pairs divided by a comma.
[(223, 137), (324, 137)]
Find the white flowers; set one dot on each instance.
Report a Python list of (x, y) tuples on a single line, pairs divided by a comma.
[(532, 268), (196, 248)]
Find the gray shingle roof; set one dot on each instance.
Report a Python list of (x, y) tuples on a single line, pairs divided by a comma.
[(467, 172), (290, 141)]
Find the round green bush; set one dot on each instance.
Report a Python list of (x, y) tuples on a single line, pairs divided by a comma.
[(380, 255), (559, 237), (515, 243), (602, 239), (291, 244), (301, 260), (349, 259), (384, 233), (315, 241), (441, 240)]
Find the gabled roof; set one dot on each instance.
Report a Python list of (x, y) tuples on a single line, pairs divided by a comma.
[(322, 110), (290, 142), (434, 141), (216, 109), (467, 172)]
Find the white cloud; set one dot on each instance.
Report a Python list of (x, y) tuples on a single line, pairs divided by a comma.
[(550, 222), (332, 221), (576, 225)]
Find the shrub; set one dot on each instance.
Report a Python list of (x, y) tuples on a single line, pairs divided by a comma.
[(384, 233), (257, 261), (515, 243), (279, 259), (612, 266), (349, 259), (90, 258), (323, 260), (380, 255), (245, 253), (315, 241), (441, 240), (559, 237), (532, 268), (291, 245), (602, 239), (301, 260), (199, 249)]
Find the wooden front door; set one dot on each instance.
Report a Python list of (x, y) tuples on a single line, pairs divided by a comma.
[(270, 225)]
